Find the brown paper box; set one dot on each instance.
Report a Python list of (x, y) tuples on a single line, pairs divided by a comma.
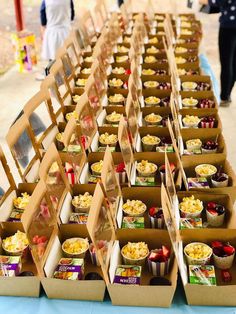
[(93, 290), (202, 113), (189, 165), (222, 199), (19, 286), (199, 95), (127, 295)]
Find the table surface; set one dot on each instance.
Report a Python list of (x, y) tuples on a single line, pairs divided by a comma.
[(43, 305)]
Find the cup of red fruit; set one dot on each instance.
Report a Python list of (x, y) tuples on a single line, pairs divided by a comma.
[(206, 103), (223, 254), (162, 170), (207, 122), (215, 214), (159, 261), (209, 147), (220, 180), (156, 218)]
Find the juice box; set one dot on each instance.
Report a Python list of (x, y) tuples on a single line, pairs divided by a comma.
[(69, 269), (10, 266), (190, 223), (128, 275), (78, 218), (133, 223), (202, 275)]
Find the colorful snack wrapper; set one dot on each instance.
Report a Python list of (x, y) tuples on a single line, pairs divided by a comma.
[(78, 218), (128, 275), (200, 183), (202, 275), (133, 223), (190, 223), (69, 269), (10, 266)]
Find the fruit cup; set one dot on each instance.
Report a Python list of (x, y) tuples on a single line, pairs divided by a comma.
[(223, 254), (215, 214), (159, 261), (156, 218), (220, 180)]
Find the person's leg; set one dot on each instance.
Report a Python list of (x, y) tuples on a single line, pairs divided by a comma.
[(120, 2), (234, 61), (226, 60)]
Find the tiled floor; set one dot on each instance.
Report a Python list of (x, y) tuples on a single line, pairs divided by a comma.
[(16, 89)]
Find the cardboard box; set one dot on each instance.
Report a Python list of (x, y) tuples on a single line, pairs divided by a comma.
[(19, 286), (162, 111), (204, 136), (101, 119), (126, 294), (80, 289), (201, 114), (217, 160), (25, 152), (198, 95), (222, 199), (96, 146)]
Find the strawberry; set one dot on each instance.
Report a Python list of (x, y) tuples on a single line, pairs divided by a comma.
[(42, 239), (120, 167), (216, 244), (128, 72), (153, 211), (211, 205), (229, 249), (165, 251), (213, 212), (154, 256), (35, 239), (172, 166)]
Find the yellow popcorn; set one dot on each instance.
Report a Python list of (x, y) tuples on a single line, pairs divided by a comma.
[(115, 82), (113, 117), (198, 250), (205, 170), (122, 49), (151, 140), (81, 82), (152, 100), (191, 205), (16, 243), (185, 24), (134, 207), (119, 70), (97, 166), (150, 59), (75, 246), (191, 120), (190, 102), (189, 85), (72, 114), (116, 98), (134, 250), (151, 84), (82, 200), (76, 98), (121, 59), (108, 139), (180, 50), (185, 31), (59, 136), (153, 118), (146, 167), (152, 49), (180, 60), (181, 71), (86, 71), (148, 72), (22, 201), (153, 40), (88, 59), (193, 144)]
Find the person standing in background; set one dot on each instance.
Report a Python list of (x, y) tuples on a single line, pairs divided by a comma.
[(227, 46), (56, 17)]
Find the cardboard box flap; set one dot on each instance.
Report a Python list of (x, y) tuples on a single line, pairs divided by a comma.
[(55, 101), (88, 27), (110, 183), (68, 68), (93, 96), (99, 78), (72, 52), (42, 122), (125, 146), (133, 91), (57, 71), (7, 182), (100, 228), (131, 117), (39, 219), (173, 233), (24, 150), (72, 136), (78, 38), (87, 120)]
